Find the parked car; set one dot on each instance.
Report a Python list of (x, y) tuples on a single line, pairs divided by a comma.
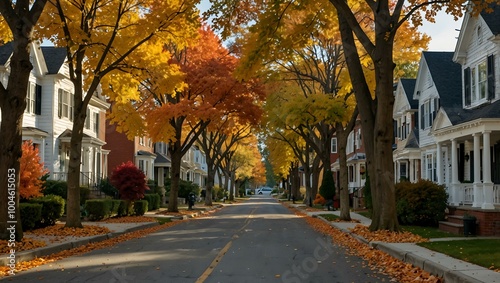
[(264, 191)]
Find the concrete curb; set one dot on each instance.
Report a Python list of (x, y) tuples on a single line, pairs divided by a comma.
[(450, 269)]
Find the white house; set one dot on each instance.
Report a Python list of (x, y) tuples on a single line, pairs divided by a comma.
[(48, 118)]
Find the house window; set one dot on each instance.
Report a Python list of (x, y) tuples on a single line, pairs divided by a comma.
[(87, 120), (30, 99), (479, 82), (65, 104), (95, 122), (141, 140), (350, 143), (351, 173), (427, 111), (403, 171), (141, 165), (334, 145)]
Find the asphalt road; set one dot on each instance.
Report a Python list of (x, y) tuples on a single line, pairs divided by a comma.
[(255, 241)]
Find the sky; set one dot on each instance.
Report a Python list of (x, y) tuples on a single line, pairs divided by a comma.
[(443, 32)]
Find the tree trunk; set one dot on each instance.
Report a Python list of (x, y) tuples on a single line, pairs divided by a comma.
[(73, 217), (376, 120), (176, 155), (210, 183), (342, 135), (13, 103)]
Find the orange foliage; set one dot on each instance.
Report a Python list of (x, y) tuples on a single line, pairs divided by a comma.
[(30, 172), (319, 200)]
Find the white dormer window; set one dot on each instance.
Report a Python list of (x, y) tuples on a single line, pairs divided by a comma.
[(479, 82)]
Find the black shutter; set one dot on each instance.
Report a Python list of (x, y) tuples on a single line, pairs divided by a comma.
[(422, 118), (59, 103), (491, 77), (467, 87), (38, 100)]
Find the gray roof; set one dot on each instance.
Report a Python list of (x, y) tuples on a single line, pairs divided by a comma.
[(54, 58), (409, 87), (493, 19), (413, 139), (162, 158), (5, 52), (447, 76), (458, 115)]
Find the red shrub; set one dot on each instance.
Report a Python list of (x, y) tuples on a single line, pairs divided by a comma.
[(130, 181)]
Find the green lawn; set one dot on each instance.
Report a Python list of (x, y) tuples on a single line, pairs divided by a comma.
[(483, 252), (428, 232)]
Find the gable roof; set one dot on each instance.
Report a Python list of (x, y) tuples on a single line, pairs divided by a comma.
[(54, 58), (5, 52), (447, 77), (492, 19), (409, 87)]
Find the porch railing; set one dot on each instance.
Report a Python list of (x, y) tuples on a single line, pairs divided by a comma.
[(87, 179), (466, 194)]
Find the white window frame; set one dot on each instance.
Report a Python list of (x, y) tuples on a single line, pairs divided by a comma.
[(333, 145), (66, 104), (30, 98)]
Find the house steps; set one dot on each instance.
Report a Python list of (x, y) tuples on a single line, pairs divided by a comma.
[(454, 225)]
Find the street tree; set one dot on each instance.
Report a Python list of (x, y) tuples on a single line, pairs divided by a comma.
[(102, 40), (376, 29), (208, 93), (17, 22)]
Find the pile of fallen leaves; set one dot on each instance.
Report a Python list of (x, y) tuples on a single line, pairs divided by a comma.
[(60, 230), (179, 213), (25, 265), (25, 244), (378, 260), (129, 219), (387, 236)]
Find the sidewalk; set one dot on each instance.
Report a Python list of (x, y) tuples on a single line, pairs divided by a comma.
[(450, 269), (117, 229)]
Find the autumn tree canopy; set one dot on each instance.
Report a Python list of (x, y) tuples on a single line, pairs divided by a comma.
[(206, 93), (103, 41)]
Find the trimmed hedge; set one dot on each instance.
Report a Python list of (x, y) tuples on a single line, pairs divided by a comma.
[(124, 209), (52, 209), (31, 214), (58, 188), (153, 200), (140, 207), (422, 203), (98, 209)]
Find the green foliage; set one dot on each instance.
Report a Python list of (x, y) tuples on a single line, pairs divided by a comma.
[(58, 188), (140, 207), (98, 209), (185, 187), (153, 201), (124, 208), (218, 193), (422, 203), (108, 189), (367, 193), (31, 213), (115, 205), (52, 209), (84, 195), (327, 188)]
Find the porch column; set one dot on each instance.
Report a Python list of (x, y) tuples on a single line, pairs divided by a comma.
[(161, 185), (478, 186), (439, 165), (455, 184), (396, 179), (487, 184), (411, 163)]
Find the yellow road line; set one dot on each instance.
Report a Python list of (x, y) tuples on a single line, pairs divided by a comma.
[(222, 252)]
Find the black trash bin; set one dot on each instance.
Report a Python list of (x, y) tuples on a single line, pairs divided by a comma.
[(469, 225)]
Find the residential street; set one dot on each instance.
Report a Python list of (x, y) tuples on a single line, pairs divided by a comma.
[(255, 241)]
